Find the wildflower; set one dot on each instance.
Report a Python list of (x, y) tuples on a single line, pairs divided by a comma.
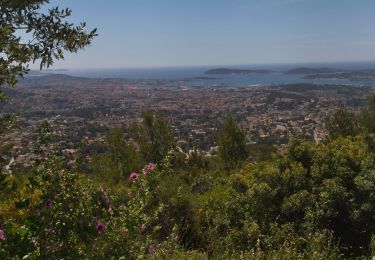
[(106, 199), (101, 190), (133, 176), (2, 235), (152, 249), (144, 171), (143, 227), (48, 204), (100, 227), (151, 166), (110, 210)]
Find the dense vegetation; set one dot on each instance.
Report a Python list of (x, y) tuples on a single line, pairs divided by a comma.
[(140, 197), (314, 201)]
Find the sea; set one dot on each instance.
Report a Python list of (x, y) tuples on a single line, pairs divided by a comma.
[(196, 77)]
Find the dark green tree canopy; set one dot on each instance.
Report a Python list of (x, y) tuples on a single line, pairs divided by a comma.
[(27, 34), (346, 123), (119, 160), (155, 137), (342, 123), (232, 144), (367, 115)]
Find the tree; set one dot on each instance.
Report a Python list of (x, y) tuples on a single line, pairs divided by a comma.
[(315, 188), (4, 148), (29, 35), (120, 159), (367, 115), (154, 136), (342, 123), (232, 144)]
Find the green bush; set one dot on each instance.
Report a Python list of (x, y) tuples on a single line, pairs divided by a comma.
[(75, 218), (312, 201)]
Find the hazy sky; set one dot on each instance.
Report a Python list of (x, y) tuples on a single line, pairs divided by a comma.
[(162, 33)]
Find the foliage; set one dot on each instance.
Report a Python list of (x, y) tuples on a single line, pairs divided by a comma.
[(345, 123), (71, 217), (312, 201), (119, 160), (232, 144), (27, 34), (5, 148), (261, 152), (154, 136), (342, 123), (316, 188), (367, 115)]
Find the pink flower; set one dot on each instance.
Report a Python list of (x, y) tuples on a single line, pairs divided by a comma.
[(48, 204), (100, 227), (2, 235), (110, 210), (143, 227), (151, 166), (152, 249), (101, 190), (144, 171), (133, 176)]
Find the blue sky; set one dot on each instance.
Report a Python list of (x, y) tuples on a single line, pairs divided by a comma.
[(166, 33)]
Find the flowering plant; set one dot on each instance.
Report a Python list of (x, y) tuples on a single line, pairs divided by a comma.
[(77, 218)]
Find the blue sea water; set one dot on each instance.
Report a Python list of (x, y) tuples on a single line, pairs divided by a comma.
[(190, 76)]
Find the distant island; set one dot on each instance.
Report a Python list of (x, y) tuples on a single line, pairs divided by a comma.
[(332, 73), (226, 71), (304, 71)]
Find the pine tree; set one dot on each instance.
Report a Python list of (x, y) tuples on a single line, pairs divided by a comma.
[(154, 136), (232, 144)]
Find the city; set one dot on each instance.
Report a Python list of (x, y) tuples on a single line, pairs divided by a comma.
[(78, 108)]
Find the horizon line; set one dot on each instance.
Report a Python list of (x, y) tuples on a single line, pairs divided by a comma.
[(209, 65)]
